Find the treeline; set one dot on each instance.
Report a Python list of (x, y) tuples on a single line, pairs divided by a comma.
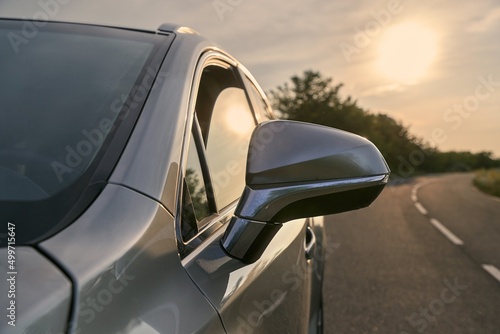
[(315, 99)]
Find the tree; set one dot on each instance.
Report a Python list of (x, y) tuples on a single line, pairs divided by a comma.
[(316, 99)]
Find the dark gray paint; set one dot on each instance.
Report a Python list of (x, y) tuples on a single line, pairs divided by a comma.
[(150, 162), (42, 294), (122, 254)]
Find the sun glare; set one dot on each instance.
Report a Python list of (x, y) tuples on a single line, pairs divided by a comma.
[(240, 121), (406, 52)]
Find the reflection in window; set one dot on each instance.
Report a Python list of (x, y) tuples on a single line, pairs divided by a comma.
[(231, 126), (195, 203), (197, 193), (59, 98)]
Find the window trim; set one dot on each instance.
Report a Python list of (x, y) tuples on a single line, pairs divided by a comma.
[(197, 140), (218, 220), (245, 73)]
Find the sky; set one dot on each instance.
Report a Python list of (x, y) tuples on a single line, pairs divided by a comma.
[(433, 65)]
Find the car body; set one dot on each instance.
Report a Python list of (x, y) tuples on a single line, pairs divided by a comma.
[(147, 188)]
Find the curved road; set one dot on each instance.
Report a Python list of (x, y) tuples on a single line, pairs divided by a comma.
[(424, 258)]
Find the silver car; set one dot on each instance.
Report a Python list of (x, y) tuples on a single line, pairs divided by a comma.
[(146, 187)]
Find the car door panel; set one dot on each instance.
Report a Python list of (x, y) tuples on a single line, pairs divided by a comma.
[(268, 295)]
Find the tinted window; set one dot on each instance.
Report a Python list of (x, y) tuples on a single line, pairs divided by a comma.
[(70, 96), (227, 146), (196, 184), (195, 200), (226, 123), (61, 94)]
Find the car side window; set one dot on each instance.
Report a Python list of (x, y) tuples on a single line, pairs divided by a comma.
[(195, 204), (261, 108), (226, 123)]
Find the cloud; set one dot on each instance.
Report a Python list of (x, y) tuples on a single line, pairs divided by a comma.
[(486, 22)]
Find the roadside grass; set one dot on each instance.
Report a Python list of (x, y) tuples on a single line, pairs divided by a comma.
[(488, 181)]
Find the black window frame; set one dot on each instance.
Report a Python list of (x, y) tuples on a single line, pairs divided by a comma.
[(196, 224)]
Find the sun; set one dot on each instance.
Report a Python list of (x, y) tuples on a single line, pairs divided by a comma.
[(406, 52)]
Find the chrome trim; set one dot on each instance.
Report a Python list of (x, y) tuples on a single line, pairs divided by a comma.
[(252, 79), (309, 246), (195, 253), (174, 28), (262, 204)]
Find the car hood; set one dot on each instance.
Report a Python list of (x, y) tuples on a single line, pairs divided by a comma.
[(37, 303)]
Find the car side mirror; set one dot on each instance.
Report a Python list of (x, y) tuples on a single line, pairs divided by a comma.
[(297, 170)]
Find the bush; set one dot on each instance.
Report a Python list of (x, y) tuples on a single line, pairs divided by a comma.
[(488, 181)]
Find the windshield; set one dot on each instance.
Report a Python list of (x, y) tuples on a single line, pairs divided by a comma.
[(64, 91)]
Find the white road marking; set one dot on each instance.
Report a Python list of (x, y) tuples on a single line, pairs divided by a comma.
[(492, 270), (414, 195), (417, 187), (420, 208), (447, 233)]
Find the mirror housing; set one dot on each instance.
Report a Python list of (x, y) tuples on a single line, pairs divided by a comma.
[(298, 170)]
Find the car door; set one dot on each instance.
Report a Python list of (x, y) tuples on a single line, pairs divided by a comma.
[(273, 293)]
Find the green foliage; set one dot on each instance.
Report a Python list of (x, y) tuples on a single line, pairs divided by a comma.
[(198, 194), (488, 181), (453, 161), (315, 99)]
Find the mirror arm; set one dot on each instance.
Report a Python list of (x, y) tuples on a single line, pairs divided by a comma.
[(247, 239)]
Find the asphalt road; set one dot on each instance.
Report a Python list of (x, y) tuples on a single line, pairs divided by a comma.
[(421, 259)]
